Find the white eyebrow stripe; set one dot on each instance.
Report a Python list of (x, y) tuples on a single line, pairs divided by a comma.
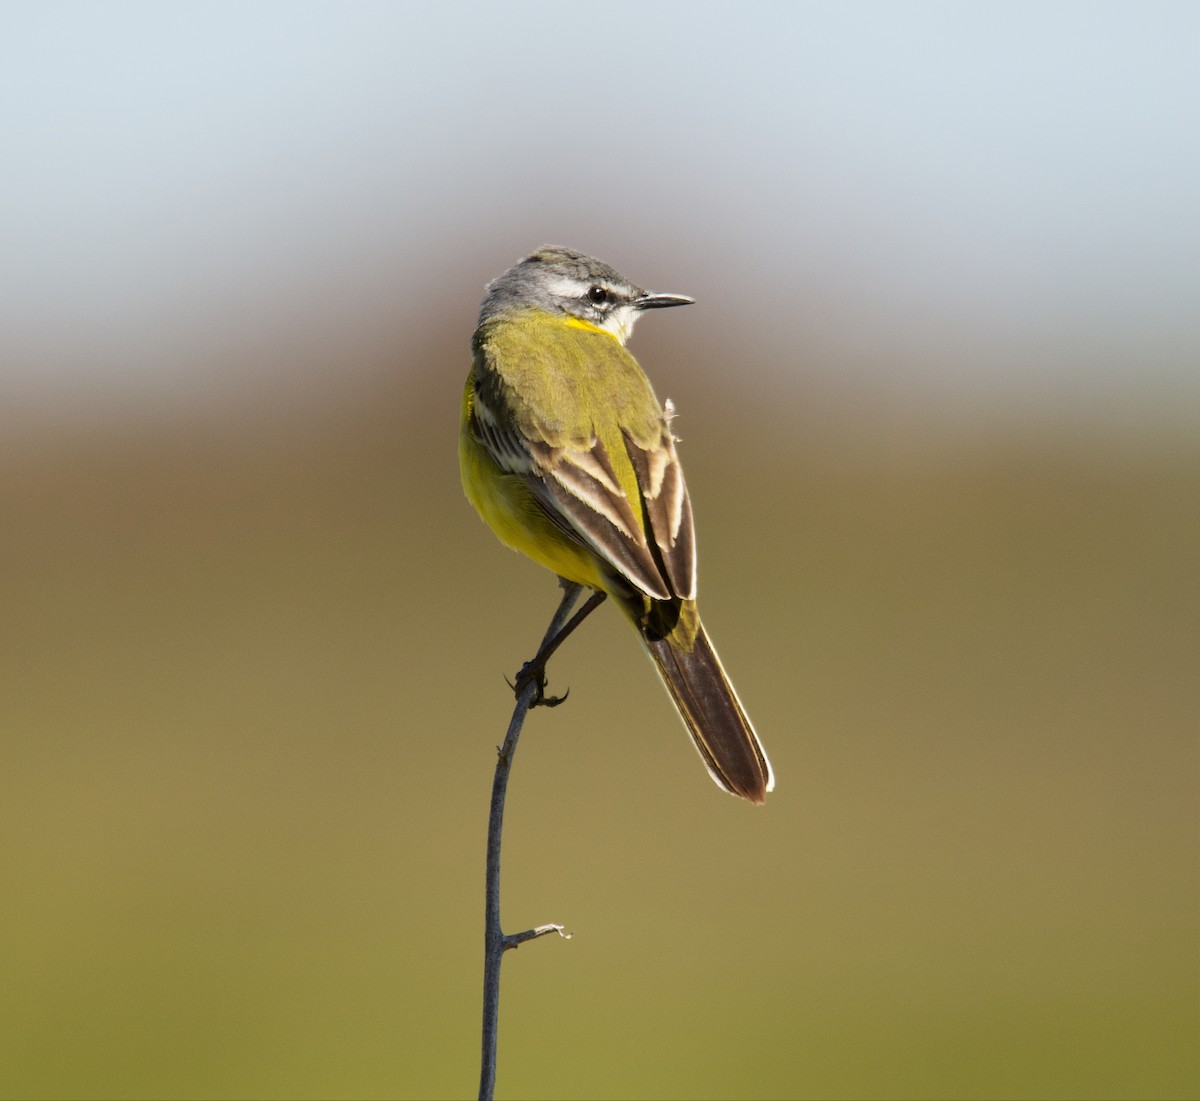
[(566, 287)]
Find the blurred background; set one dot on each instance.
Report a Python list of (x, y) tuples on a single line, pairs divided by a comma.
[(940, 408)]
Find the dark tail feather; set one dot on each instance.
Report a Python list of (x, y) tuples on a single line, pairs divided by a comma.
[(713, 714)]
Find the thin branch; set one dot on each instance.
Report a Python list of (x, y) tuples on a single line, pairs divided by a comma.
[(530, 684)]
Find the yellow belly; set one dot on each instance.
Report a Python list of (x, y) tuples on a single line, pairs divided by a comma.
[(509, 508)]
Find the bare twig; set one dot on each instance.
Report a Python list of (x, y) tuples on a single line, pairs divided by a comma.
[(530, 684)]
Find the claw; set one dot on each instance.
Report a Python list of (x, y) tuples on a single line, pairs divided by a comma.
[(535, 673), (551, 701)]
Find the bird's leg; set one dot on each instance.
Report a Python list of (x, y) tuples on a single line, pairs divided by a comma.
[(535, 671)]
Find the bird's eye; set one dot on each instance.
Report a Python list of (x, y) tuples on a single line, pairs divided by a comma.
[(597, 296)]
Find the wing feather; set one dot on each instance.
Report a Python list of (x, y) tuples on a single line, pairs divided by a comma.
[(575, 480), (668, 506)]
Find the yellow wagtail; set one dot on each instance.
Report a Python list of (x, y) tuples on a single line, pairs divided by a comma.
[(569, 458)]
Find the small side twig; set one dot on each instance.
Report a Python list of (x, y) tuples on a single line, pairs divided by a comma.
[(514, 940), (529, 688)]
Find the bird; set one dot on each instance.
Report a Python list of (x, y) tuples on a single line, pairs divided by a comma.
[(568, 456)]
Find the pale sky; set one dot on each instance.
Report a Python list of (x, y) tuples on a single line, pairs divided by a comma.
[(975, 195)]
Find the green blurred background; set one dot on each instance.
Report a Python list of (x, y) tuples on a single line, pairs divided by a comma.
[(940, 405)]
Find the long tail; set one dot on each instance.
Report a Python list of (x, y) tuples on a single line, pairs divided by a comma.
[(709, 706)]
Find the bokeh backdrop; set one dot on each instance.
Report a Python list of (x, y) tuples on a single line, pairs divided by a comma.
[(940, 407)]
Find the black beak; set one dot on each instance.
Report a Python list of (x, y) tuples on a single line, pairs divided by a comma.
[(649, 301)]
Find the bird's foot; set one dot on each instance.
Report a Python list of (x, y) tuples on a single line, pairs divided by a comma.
[(534, 672)]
